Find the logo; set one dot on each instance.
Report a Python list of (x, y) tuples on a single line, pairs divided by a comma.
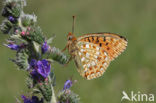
[(137, 96)]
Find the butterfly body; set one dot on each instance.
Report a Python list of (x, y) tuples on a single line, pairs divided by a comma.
[(93, 52)]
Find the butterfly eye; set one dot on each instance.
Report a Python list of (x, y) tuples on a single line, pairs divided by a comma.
[(70, 37)]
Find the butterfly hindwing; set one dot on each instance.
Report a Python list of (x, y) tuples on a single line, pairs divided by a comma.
[(91, 60)]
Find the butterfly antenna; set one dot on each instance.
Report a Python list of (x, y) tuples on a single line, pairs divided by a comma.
[(73, 25)]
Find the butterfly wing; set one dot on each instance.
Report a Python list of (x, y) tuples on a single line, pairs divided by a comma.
[(96, 51), (90, 59), (113, 44)]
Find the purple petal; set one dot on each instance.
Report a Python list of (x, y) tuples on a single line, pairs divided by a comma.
[(35, 75), (67, 84), (45, 47), (13, 46), (33, 63), (34, 99), (11, 18), (43, 68), (25, 99)]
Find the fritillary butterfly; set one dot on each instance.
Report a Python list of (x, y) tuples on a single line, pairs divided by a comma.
[(93, 52)]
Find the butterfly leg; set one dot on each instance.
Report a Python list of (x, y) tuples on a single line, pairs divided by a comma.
[(65, 48)]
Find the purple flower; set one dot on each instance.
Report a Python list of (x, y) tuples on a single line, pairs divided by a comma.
[(45, 47), (67, 84), (41, 67), (12, 19), (35, 75), (34, 99), (33, 63), (13, 46)]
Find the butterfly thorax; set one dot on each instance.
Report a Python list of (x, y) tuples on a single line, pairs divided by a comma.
[(72, 40)]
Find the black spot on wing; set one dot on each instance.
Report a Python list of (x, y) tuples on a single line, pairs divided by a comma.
[(88, 39), (123, 38), (104, 38), (100, 44), (92, 38), (97, 39), (106, 43)]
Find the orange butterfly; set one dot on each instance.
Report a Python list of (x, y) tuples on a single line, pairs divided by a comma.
[(93, 52)]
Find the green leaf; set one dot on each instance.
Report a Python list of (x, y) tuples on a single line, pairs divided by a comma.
[(18, 39), (28, 20), (35, 34), (53, 78), (6, 26), (21, 60), (49, 41), (68, 96), (57, 55), (36, 47), (45, 90)]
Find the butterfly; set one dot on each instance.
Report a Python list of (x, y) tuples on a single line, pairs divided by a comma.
[(93, 52)]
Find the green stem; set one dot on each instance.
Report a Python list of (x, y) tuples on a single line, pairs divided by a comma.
[(53, 98)]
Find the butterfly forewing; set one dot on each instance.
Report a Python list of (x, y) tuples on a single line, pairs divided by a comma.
[(91, 60), (113, 44)]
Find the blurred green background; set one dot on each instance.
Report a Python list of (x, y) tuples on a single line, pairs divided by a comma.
[(134, 70)]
